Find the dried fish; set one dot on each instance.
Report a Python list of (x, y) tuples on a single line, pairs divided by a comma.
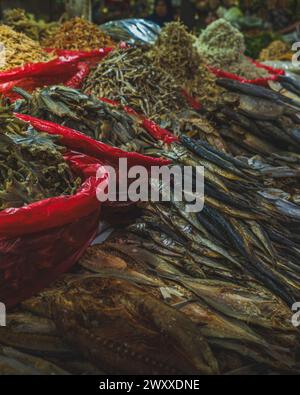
[(32, 166), (20, 49), (174, 52), (78, 34), (165, 341), (223, 46)]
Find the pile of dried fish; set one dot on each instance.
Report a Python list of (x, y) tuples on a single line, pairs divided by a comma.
[(18, 49), (32, 345), (257, 122), (244, 325), (223, 46), (174, 52), (78, 34), (241, 207), (23, 22), (277, 50), (146, 298), (32, 166), (114, 126), (130, 77), (105, 122), (95, 118)]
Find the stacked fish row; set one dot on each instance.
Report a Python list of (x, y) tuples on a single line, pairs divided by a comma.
[(259, 123)]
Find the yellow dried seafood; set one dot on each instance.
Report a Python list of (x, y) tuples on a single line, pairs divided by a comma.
[(18, 49)]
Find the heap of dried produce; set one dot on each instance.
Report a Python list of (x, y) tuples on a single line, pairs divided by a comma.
[(255, 121), (32, 345), (223, 46), (32, 166), (130, 77), (174, 52), (277, 50), (18, 49), (198, 315), (236, 201), (23, 22), (107, 123), (242, 322), (231, 269), (93, 117), (79, 34)]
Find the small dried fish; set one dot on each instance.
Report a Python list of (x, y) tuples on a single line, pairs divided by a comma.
[(78, 34), (20, 49)]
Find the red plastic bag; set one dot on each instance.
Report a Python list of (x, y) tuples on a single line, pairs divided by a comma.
[(274, 74), (40, 241), (91, 57), (70, 68), (79, 142), (194, 103), (76, 81)]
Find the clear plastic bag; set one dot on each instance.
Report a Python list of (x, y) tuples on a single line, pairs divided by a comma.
[(132, 31)]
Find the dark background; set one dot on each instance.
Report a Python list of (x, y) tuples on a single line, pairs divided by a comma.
[(47, 9)]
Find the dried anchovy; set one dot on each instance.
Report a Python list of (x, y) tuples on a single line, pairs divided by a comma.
[(78, 34), (20, 49), (174, 52), (223, 46), (32, 166), (130, 77)]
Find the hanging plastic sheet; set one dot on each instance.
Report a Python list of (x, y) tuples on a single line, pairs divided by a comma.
[(132, 31)]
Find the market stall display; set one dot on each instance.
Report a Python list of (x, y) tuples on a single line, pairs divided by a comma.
[(146, 285), (233, 189)]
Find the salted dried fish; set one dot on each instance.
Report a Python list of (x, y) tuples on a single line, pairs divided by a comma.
[(112, 307), (32, 166)]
